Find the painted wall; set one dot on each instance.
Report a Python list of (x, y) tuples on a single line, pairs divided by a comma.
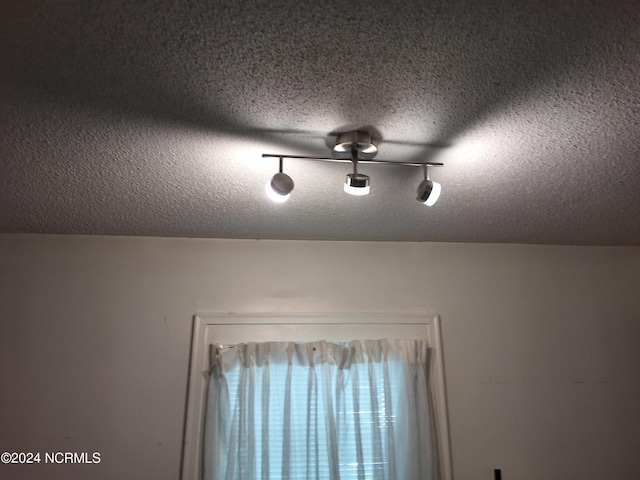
[(541, 343)]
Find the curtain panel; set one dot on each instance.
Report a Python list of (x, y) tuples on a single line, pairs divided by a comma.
[(319, 410)]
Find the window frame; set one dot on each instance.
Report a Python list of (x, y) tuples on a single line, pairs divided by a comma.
[(234, 328)]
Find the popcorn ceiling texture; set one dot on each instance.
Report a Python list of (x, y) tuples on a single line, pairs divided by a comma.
[(150, 118)]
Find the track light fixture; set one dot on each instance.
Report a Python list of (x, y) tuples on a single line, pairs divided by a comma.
[(280, 186), (428, 192), (355, 147)]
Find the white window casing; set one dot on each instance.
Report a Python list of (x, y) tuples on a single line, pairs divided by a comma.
[(230, 329)]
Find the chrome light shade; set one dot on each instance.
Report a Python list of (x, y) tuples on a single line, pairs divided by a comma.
[(357, 184), (428, 192), (280, 187)]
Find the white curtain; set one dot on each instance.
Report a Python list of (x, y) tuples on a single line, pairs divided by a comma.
[(319, 410)]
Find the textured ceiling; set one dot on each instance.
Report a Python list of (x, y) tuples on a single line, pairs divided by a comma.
[(150, 118)]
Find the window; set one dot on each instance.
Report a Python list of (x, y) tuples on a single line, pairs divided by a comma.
[(231, 329)]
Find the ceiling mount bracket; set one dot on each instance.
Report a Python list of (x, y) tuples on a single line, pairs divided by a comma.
[(358, 141)]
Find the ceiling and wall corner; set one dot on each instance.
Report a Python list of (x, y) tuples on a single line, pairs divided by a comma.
[(150, 118)]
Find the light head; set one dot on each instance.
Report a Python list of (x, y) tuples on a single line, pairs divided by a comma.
[(279, 188), (357, 184)]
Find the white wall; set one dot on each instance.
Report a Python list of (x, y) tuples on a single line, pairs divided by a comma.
[(540, 343)]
